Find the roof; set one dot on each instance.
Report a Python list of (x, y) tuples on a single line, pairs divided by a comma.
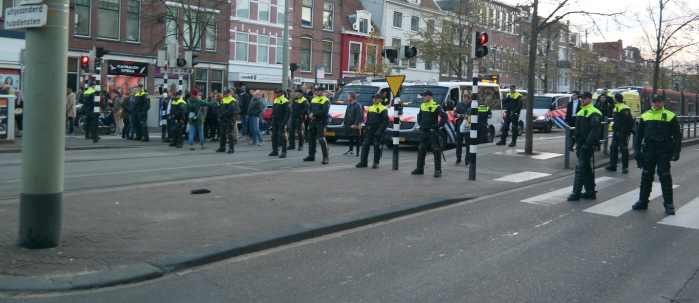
[(349, 8), (428, 4)]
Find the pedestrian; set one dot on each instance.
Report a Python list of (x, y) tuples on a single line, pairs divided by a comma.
[(71, 112), (484, 114), (299, 112), (19, 112), (604, 104), (430, 119), (255, 111), (178, 110), (141, 107), (376, 124), (130, 108), (512, 104), (571, 113), (208, 127), (658, 141), (168, 109), (622, 129), (117, 100), (588, 126), (279, 119), (245, 98), (196, 119), (228, 116), (125, 116), (319, 108), (88, 100), (212, 122), (461, 113), (354, 117)]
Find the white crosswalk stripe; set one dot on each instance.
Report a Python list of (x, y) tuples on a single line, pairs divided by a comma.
[(558, 196), (686, 216), (619, 205), (521, 177)]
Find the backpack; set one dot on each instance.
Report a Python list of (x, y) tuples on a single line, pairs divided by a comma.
[(193, 116)]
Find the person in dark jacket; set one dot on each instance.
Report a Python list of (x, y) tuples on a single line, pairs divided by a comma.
[(622, 129), (571, 112), (88, 101), (604, 104), (255, 112), (587, 129), (512, 104), (431, 119), (299, 111), (376, 123), (354, 116), (227, 115), (281, 111), (178, 111), (484, 113), (141, 108), (318, 115), (245, 98), (461, 112), (211, 122)]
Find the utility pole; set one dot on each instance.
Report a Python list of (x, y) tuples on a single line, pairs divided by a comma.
[(285, 46), (529, 136), (43, 143)]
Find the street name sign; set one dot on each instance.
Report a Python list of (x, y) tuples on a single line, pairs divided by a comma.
[(26, 16)]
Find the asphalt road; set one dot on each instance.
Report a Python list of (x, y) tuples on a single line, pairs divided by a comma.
[(493, 249)]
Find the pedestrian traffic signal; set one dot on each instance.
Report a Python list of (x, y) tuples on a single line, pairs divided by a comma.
[(390, 53), (294, 66), (408, 52), (100, 52), (189, 59), (85, 62), (479, 49)]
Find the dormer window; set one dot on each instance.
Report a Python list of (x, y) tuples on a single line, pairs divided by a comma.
[(414, 1), (360, 22), (363, 26)]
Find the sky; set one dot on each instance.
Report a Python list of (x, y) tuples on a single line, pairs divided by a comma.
[(625, 27)]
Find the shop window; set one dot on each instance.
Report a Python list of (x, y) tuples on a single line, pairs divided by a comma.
[(327, 16), (397, 19), (108, 15), (82, 17), (328, 56), (307, 13), (242, 8), (133, 20), (355, 53), (241, 47), (305, 54), (263, 49)]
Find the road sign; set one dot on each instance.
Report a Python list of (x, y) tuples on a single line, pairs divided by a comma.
[(320, 72), (26, 16), (394, 82)]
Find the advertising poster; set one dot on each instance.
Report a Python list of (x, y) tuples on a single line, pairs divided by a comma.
[(3, 118), (123, 83), (10, 79)]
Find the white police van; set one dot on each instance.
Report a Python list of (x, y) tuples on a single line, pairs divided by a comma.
[(364, 92), (447, 94), (550, 111)]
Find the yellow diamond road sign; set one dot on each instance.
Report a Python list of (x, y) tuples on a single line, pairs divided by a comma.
[(394, 82)]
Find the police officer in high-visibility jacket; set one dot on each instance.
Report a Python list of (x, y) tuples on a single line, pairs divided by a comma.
[(622, 128), (512, 104), (178, 110), (281, 111), (658, 141), (141, 107), (88, 100), (588, 126), (227, 115), (429, 121), (484, 114), (376, 123), (318, 115), (299, 110)]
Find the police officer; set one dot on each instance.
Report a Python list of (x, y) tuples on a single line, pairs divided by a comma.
[(484, 114), (461, 112), (227, 115), (385, 101), (376, 123), (141, 107), (178, 110), (299, 110), (429, 121), (280, 118), (318, 115), (622, 128), (88, 100), (658, 141), (588, 126), (512, 104)]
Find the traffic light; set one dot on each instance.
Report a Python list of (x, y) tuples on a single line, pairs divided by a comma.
[(189, 57), (100, 52), (479, 49), (390, 53), (294, 66), (85, 62), (408, 52)]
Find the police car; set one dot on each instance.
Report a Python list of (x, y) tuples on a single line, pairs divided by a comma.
[(364, 92), (550, 111)]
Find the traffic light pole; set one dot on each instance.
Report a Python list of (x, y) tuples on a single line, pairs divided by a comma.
[(285, 47), (96, 108), (43, 143), (473, 146), (397, 106)]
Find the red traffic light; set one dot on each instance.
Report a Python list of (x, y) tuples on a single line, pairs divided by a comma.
[(483, 38), (85, 62)]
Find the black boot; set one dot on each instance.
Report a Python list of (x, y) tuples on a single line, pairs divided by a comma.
[(377, 156), (309, 158), (577, 184), (420, 169), (458, 161), (364, 158), (324, 150), (645, 189), (513, 144), (274, 153), (282, 155), (501, 143), (610, 168), (590, 192), (221, 149), (437, 166), (361, 164), (375, 165), (325, 160), (291, 147), (624, 170), (666, 186)]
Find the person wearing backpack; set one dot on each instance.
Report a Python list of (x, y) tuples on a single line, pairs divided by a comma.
[(196, 121)]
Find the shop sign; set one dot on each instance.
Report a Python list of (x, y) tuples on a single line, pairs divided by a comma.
[(127, 68)]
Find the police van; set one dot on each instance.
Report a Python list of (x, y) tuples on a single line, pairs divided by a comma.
[(338, 105), (446, 94), (550, 111)]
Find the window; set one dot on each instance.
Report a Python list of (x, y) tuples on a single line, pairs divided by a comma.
[(412, 63), (430, 26), (280, 50), (414, 23), (73, 74), (217, 80), (355, 52), (305, 54), (396, 43), (328, 56), (82, 17), (133, 17), (191, 33), (241, 47), (108, 15), (263, 11), (371, 53), (363, 26), (327, 16), (307, 13), (263, 49), (397, 19), (201, 81), (242, 8), (281, 17), (428, 64), (171, 30), (211, 32)]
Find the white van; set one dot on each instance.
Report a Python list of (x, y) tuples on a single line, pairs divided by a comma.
[(550, 111), (443, 93), (364, 92)]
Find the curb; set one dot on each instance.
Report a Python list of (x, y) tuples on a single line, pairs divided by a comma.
[(81, 147)]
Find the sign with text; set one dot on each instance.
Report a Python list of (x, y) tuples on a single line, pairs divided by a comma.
[(26, 16), (127, 68), (320, 72)]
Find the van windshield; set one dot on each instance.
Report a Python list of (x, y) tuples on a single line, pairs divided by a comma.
[(363, 93), (542, 102), (412, 95)]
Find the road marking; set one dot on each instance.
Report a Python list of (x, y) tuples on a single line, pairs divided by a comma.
[(520, 153), (558, 196), (521, 177), (686, 216), (621, 204)]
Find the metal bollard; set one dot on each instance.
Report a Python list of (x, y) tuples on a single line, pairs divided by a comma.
[(606, 135), (566, 154)]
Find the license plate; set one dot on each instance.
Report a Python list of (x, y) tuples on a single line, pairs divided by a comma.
[(401, 139), (330, 134)]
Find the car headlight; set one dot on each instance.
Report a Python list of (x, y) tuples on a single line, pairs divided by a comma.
[(541, 118)]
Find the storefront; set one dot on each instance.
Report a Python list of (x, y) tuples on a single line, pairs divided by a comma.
[(125, 75), (172, 82)]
